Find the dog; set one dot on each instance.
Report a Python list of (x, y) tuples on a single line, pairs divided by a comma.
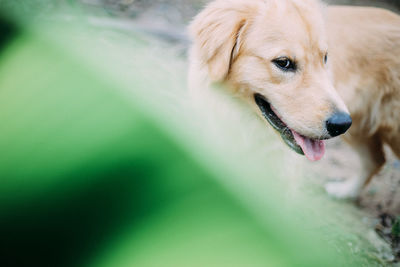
[(313, 72)]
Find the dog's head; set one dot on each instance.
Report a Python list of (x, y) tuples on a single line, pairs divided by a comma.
[(274, 54)]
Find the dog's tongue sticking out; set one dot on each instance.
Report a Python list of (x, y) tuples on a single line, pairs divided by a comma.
[(313, 149)]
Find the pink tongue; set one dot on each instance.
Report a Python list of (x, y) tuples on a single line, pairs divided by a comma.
[(313, 149)]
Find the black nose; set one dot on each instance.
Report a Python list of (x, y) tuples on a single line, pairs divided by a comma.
[(338, 124)]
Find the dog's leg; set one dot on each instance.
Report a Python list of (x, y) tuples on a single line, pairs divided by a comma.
[(394, 144), (396, 149), (372, 159)]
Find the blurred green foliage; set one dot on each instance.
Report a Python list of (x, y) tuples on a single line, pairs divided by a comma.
[(80, 166)]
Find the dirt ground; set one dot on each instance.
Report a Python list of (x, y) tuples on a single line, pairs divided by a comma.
[(381, 195), (379, 200), (167, 19)]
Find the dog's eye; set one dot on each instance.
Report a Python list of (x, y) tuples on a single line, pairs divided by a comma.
[(326, 58), (285, 64)]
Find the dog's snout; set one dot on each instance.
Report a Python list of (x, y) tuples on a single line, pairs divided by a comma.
[(338, 124)]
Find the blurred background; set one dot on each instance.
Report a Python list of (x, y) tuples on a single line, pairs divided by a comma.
[(103, 161)]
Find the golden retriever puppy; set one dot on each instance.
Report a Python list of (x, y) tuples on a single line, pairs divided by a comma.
[(297, 63)]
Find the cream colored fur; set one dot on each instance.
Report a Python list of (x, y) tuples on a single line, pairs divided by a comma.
[(235, 41)]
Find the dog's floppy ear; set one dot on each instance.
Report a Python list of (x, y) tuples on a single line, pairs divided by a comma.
[(216, 33)]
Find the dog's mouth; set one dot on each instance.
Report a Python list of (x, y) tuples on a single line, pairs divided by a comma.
[(313, 149)]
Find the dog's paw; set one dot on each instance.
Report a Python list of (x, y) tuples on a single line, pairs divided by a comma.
[(342, 190)]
